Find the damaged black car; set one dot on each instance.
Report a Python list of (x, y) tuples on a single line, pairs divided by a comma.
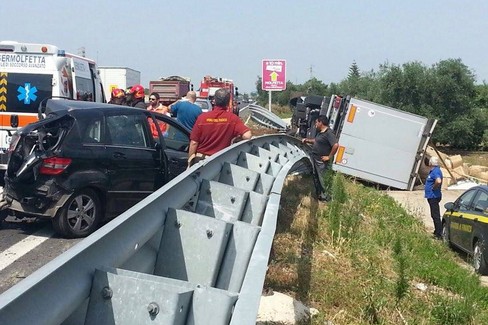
[(88, 161)]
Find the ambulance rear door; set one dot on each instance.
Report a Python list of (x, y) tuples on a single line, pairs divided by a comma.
[(83, 84), (20, 95)]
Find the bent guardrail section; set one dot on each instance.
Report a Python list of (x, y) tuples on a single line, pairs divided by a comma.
[(194, 252), (267, 118)]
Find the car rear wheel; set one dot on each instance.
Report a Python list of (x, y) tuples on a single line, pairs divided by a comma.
[(479, 262), (80, 215)]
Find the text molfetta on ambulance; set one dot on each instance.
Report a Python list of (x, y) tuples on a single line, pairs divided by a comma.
[(22, 60)]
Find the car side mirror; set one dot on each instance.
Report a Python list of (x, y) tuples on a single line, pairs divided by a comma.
[(449, 206)]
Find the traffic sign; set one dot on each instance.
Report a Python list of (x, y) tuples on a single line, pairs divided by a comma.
[(274, 75)]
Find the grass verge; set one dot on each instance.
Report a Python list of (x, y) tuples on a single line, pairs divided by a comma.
[(361, 259)]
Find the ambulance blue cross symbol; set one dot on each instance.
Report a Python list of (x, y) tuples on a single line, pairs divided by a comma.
[(27, 93)]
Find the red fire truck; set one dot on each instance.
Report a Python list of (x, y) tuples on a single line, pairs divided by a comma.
[(209, 85)]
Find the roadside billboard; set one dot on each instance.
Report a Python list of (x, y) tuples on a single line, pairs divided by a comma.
[(273, 74)]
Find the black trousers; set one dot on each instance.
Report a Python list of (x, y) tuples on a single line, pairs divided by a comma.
[(435, 214), (321, 170)]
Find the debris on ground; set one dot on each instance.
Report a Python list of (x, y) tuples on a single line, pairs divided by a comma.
[(454, 170), (279, 308)]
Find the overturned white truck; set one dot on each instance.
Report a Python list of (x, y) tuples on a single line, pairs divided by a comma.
[(377, 143)]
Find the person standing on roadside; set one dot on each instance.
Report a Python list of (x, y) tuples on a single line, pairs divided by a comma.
[(186, 111), (156, 106), (324, 147), (433, 194), (216, 130)]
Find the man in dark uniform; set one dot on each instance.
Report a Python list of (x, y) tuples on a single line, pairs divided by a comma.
[(216, 129), (323, 150), (135, 97)]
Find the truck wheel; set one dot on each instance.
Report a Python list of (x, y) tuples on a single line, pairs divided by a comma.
[(80, 215), (479, 262)]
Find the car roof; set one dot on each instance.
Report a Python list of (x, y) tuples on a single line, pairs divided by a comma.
[(477, 187), (56, 108), (483, 187), (58, 105)]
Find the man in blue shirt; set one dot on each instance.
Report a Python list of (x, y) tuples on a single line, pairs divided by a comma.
[(433, 194), (185, 110)]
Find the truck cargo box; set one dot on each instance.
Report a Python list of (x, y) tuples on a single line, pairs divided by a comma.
[(382, 144), (118, 77), (170, 90)]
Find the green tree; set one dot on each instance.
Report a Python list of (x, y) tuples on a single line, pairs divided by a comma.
[(353, 71), (481, 97), (452, 94), (351, 84), (453, 88), (481, 113), (314, 87), (283, 97), (404, 87), (262, 96)]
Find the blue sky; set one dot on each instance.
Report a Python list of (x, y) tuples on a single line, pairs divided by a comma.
[(319, 38)]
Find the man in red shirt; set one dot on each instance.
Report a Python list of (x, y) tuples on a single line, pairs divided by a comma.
[(216, 129)]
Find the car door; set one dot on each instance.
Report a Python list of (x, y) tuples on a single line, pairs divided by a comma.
[(479, 215), (461, 225), (175, 142), (134, 162)]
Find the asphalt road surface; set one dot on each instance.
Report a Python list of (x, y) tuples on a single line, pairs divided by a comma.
[(25, 247)]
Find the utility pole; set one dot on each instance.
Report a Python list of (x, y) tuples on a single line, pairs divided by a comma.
[(311, 71)]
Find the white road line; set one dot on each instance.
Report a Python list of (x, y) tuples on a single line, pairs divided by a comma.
[(24, 246)]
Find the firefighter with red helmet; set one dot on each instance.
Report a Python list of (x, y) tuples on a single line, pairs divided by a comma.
[(117, 97), (135, 97)]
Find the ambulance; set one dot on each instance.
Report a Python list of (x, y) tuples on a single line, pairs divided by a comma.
[(30, 73)]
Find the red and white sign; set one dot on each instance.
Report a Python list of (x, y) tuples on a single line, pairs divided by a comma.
[(274, 75)]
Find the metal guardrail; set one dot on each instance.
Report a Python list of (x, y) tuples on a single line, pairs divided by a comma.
[(193, 252), (266, 118)]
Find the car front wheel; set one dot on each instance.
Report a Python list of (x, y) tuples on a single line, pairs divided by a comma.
[(479, 262), (80, 215), (445, 234)]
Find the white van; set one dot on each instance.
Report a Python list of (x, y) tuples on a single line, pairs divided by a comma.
[(30, 73)]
